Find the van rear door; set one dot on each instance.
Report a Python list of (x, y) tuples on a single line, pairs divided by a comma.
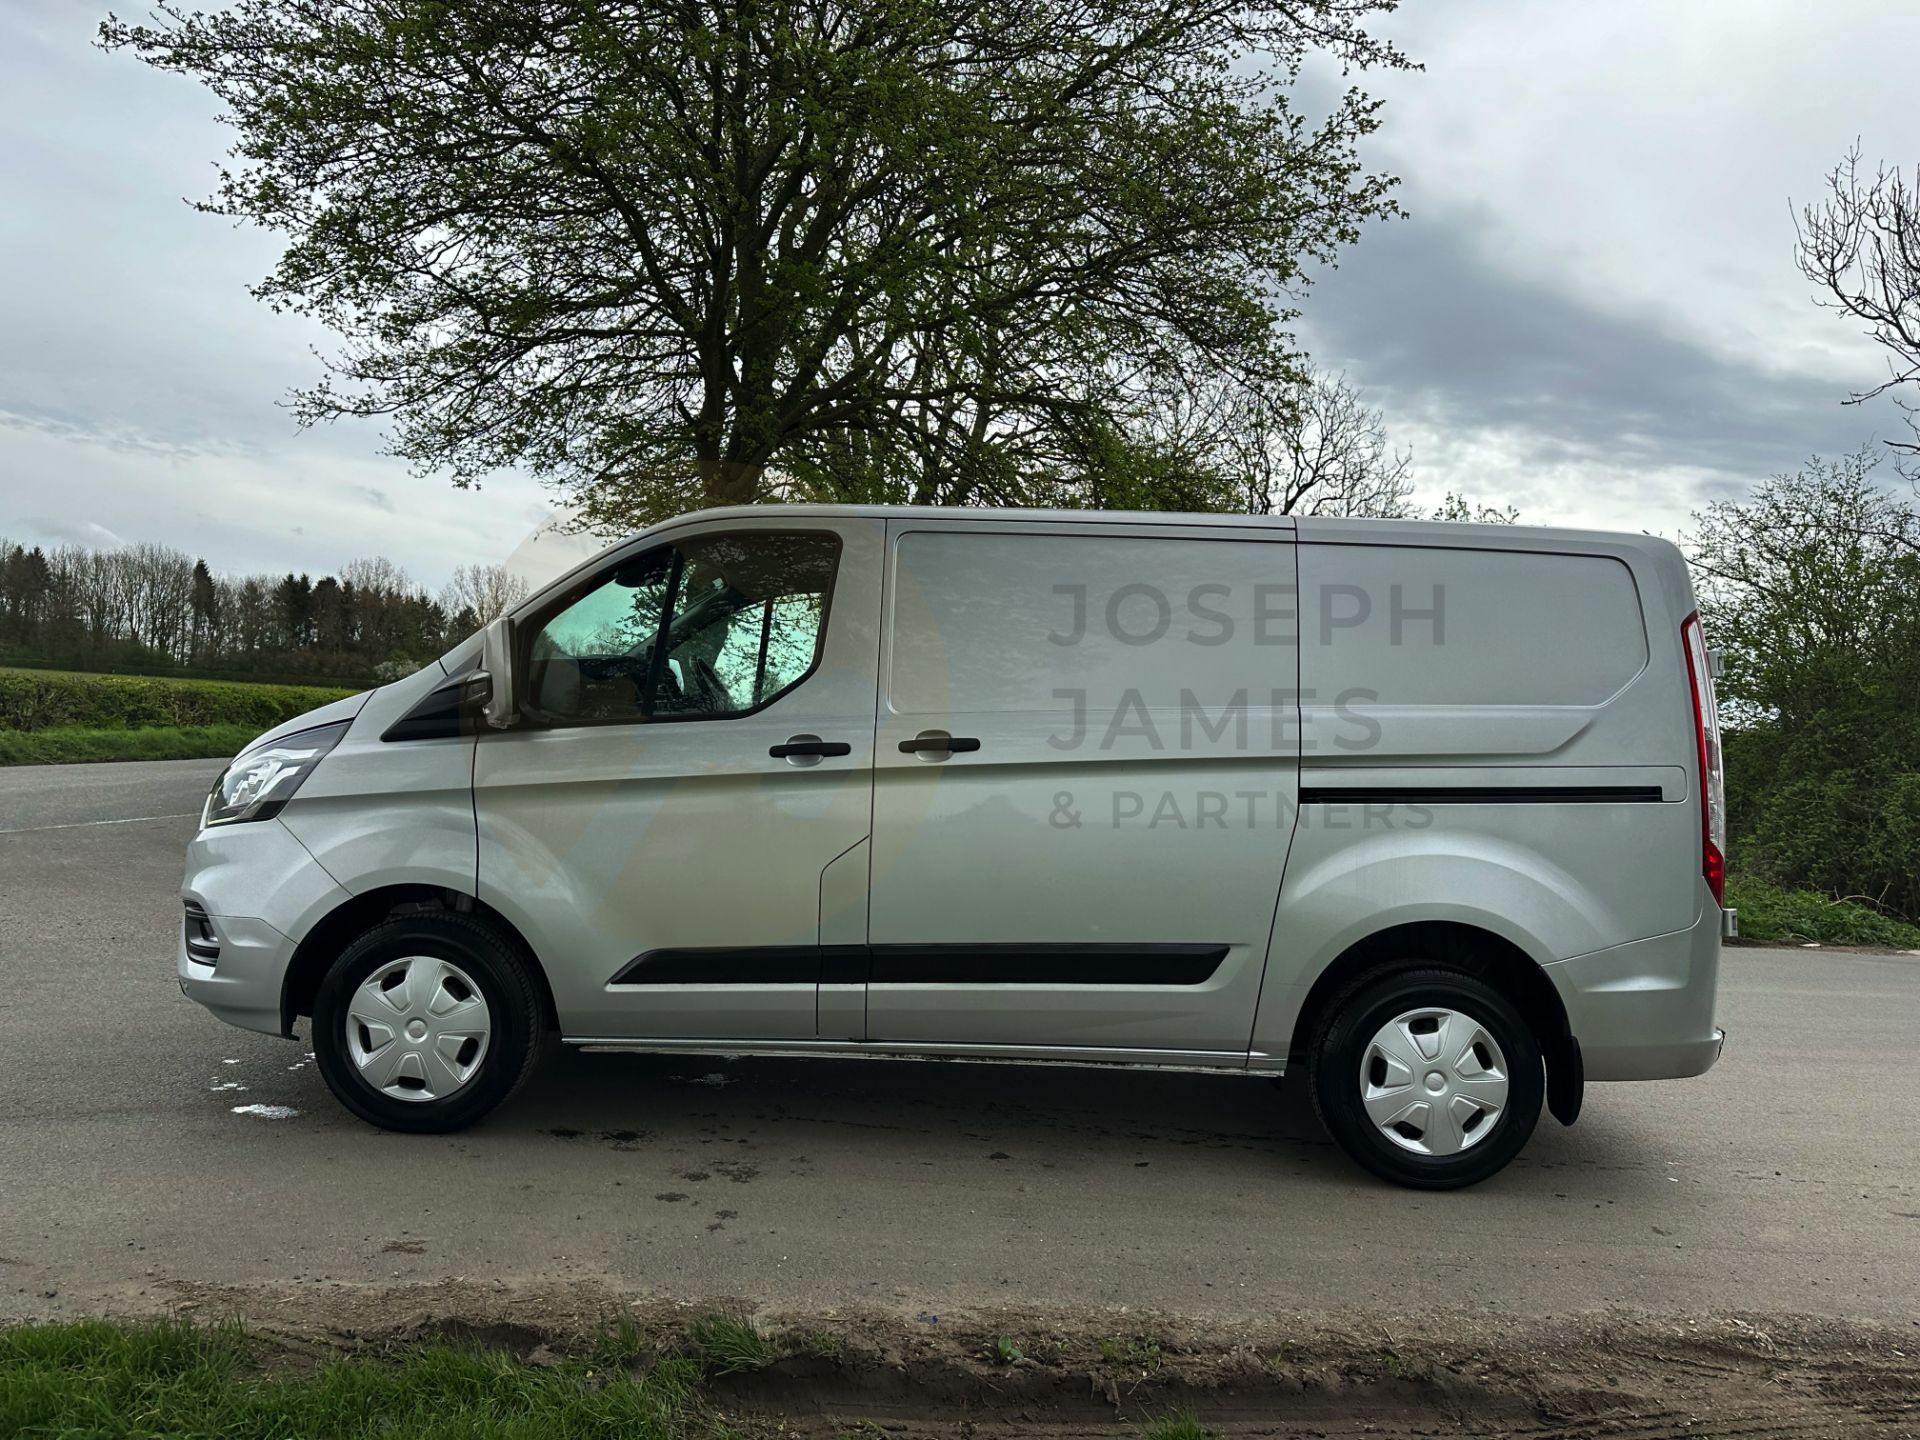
[(1086, 760)]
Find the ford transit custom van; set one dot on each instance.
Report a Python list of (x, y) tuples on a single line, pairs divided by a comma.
[(1426, 817)]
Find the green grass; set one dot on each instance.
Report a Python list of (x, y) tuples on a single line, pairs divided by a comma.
[(725, 1345), (1176, 1427), (1769, 912), (99, 1380), (56, 699), (73, 744)]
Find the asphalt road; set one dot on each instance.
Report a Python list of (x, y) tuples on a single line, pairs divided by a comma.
[(1787, 1180)]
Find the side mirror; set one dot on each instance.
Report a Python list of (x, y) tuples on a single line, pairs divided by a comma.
[(496, 659)]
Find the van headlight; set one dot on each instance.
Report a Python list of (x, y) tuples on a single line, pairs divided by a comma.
[(258, 784)]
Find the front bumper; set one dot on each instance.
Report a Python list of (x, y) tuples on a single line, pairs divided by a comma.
[(243, 985), (1645, 1010), (259, 889)]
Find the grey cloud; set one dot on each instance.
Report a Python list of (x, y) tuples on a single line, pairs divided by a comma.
[(1429, 327), (90, 533), (111, 437)]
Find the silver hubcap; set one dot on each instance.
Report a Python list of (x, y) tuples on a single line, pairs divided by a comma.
[(417, 1028), (1434, 1081)]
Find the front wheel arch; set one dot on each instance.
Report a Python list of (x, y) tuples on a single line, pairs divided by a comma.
[(352, 918)]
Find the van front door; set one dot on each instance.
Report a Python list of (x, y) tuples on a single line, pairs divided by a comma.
[(1085, 774), (694, 754)]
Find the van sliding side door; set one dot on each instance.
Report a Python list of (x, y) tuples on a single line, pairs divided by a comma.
[(1086, 763)]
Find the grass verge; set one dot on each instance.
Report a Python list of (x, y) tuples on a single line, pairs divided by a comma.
[(99, 1379), (662, 1374), (1772, 913), (74, 744), (104, 1379)]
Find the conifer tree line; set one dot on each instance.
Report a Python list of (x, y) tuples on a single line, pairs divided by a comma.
[(152, 608)]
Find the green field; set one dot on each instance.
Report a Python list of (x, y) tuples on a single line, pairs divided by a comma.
[(59, 717)]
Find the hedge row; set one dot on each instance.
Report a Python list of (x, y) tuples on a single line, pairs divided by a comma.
[(42, 699), (83, 745), (1777, 913)]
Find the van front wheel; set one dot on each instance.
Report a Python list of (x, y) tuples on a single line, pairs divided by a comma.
[(1427, 1077), (426, 1023)]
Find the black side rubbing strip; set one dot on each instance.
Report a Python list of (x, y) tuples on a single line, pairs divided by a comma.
[(1039, 964), (757, 965), (1480, 795), (1046, 964), (845, 964)]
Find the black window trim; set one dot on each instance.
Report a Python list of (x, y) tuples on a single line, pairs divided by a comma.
[(524, 630)]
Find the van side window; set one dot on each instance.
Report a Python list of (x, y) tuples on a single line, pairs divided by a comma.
[(720, 625), (748, 618)]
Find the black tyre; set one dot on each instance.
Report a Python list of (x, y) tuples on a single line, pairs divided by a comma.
[(427, 1022), (1427, 1077)]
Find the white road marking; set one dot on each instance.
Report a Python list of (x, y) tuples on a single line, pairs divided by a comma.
[(82, 824)]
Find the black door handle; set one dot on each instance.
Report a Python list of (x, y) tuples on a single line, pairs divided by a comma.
[(810, 745), (952, 744)]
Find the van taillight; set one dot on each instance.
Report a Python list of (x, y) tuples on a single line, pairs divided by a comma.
[(1713, 778)]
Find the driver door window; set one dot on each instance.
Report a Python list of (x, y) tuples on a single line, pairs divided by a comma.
[(719, 625)]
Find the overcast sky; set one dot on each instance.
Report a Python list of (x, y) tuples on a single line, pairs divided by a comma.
[(1592, 312)]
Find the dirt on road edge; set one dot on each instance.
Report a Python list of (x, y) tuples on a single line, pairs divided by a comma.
[(1067, 1374)]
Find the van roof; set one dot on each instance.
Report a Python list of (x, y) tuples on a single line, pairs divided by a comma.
[(1323, 528)]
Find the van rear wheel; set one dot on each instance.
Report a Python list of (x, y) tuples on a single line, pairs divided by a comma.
[(1427, 1077), (426, 1023)]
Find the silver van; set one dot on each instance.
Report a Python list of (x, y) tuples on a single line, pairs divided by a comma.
[(1428, 815)]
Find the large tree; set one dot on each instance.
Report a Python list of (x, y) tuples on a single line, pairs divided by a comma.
[(716, 250)]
